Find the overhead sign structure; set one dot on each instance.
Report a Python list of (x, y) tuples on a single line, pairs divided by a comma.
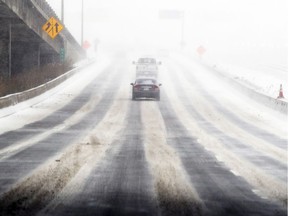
[(52, 27), (171, 14)]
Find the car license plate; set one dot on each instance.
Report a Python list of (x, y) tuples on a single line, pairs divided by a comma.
[(146, 88)]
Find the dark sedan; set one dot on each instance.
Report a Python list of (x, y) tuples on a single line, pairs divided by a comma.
[(146, 88)]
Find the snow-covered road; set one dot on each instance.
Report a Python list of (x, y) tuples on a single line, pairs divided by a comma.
[(88, 149)]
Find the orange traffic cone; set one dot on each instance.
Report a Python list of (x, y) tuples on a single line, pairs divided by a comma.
[(280, 93)]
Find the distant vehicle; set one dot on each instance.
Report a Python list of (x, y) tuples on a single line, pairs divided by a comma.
[(147, 66), (145, 88), (147, 73)]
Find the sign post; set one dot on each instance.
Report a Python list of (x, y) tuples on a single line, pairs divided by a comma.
[(174, 14), (62, 54)]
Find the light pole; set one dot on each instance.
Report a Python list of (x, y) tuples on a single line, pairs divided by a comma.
[(182, 42), (62, 11)]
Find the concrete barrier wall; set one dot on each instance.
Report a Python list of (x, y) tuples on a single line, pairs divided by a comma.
[(16, 98), (273, 103)]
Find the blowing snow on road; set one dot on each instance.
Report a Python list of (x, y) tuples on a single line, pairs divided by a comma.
[(86, 148)]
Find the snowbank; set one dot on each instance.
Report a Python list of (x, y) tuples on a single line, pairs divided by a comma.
[(261, 85)]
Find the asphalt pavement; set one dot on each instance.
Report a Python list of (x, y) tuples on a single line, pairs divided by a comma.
[(228, 164)]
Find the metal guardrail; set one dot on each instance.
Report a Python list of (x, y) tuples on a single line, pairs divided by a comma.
[(16, 98)]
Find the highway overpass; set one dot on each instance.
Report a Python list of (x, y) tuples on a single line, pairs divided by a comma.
[(23, 43)]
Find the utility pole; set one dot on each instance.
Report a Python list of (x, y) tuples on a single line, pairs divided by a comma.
[(82, 22)]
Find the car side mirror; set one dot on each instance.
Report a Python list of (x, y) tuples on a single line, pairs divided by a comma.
[(160, 84), (132, 84)]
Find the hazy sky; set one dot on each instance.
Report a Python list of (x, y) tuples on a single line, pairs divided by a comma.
[(220, 25)]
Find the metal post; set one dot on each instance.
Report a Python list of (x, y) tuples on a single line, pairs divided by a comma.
[(10, 50), (39, 56)]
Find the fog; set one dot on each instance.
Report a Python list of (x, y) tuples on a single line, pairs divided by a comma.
[(239, 31)]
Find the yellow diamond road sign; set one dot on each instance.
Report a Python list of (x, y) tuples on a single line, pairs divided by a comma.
[(52, 27)]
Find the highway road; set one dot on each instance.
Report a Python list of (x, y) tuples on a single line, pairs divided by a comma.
[(88, 149)]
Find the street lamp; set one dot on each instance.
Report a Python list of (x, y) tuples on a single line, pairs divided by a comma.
[(182, 42), (62, 11), (82, 18)]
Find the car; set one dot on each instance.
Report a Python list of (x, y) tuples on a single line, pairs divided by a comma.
[(146, 88)]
